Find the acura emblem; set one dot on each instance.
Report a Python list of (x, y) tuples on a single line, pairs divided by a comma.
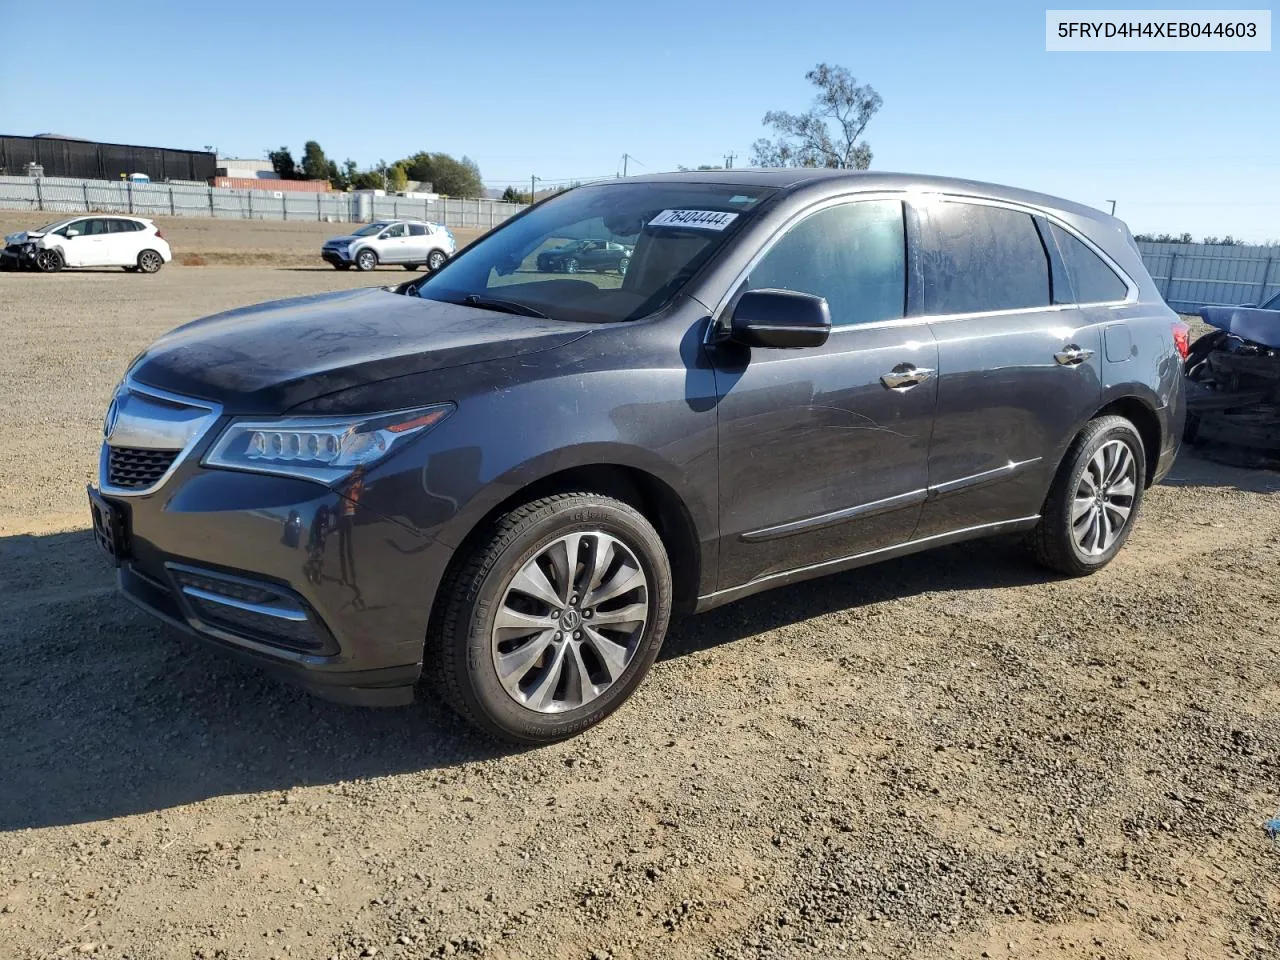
[(109, 422)]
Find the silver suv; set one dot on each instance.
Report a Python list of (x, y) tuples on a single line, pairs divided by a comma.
[(407, 243)]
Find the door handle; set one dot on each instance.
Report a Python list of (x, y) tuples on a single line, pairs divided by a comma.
[(905, 376), (1072, 354)]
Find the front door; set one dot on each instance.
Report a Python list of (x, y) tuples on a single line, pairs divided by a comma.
[(824, 451), (1019, 363), (392, 244)]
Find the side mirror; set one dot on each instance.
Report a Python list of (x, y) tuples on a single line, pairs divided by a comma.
[(73, 233), (780, 318)]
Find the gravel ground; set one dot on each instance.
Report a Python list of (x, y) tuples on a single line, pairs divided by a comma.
[(947, 755)]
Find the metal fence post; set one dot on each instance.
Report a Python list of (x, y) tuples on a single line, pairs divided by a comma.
[(249, 196), (173, 209), (129, 190), (319, 215), (1168, 284), (1266, 275), (86, 196), (40, 194)]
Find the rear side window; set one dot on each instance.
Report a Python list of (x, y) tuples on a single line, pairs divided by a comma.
[(977, 258), (124, 226), (417, 230), (853, 254), (1088, 279)]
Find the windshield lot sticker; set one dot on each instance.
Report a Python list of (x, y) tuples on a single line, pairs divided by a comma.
[(699, 219)]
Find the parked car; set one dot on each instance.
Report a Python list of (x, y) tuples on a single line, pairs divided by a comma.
[(510, 481), (598, 255), (407, 243), (134, 243)]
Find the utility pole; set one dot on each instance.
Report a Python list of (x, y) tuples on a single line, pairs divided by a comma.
[(1113, 207), (533, 187), (728, 160)]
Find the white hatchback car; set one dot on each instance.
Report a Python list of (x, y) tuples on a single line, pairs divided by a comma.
[(94, 241)]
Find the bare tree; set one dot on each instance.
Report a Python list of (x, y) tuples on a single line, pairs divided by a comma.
[(828, 134)]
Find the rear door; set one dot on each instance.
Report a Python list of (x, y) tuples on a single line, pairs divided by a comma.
[(418, 245), (1018, 371), (122, 241), (824, 450)]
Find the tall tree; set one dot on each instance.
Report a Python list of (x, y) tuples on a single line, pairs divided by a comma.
[(397, 178), (315, 166), (454, 178), (828, 134), (512, 195), (282, 163)]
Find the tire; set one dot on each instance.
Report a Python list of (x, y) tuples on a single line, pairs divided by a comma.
[(150, 261), (366, 260), (623, 264), (436, 259), (569, 266), (49, 261), (549, 701), (1076, 543)]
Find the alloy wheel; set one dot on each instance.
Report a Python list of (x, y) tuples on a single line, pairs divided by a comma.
[(1104, 498), (570, 622)]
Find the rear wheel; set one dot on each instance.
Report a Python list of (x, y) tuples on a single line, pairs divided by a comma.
[(436, 260), (49, 261), (149, 261), (1094, 500), (366, 260), (553, 618)]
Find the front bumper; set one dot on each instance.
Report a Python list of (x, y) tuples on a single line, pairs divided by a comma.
[(19, 255), (334, 257), (285, 573)]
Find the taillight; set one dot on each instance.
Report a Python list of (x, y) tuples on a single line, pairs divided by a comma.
[(1182, 339)]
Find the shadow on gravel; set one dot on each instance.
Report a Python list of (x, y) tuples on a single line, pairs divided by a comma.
[(104, 713), (1190, 470)]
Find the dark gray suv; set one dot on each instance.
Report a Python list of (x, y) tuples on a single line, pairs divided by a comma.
[(509, 479)]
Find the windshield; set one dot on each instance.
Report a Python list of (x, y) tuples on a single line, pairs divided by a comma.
[(51, 226), (370, 230), (600, 253)]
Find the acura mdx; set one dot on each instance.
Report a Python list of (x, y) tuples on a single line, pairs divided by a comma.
[(508, 479)]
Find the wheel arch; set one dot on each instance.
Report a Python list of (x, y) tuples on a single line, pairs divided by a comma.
[(1143, 416), (655, 498)]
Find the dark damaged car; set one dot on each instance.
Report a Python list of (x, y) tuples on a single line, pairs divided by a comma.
[(509, 480)]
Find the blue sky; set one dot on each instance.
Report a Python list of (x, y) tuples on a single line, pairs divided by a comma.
[(1182, 141)]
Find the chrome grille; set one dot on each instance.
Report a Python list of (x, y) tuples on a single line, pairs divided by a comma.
[(135, 469), (148, 432)]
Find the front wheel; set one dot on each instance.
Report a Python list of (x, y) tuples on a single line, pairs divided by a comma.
[(570, 266), (623, 264), (1094, 500), (436, 260), (553, 619), (366, 260), (49, 261)]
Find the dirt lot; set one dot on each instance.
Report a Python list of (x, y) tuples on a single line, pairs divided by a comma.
[(947, 755), (241, 242)]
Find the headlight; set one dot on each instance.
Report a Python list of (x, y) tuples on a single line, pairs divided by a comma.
[(325, 449)]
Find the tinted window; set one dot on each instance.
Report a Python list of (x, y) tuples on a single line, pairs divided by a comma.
[(977, 258), (417, 230), (1089, 279), (92, 228), (853, 255), (122, 226)]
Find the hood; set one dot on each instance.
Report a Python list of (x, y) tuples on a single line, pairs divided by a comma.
[(23, 236), (274, 356), (335, 241), (1249, 323)]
